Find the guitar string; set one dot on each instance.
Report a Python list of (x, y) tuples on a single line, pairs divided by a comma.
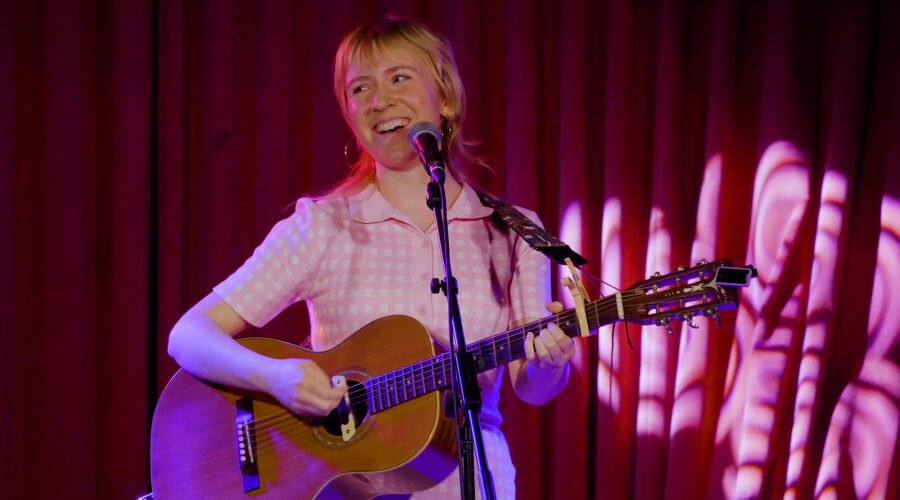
[(264, 443), (291, 421), (358, 394), (513, 335), (355, 391)]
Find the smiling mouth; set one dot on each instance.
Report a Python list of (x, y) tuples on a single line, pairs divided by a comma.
[(391, 126)]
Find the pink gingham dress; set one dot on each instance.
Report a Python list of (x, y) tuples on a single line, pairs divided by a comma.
[(357, 259)]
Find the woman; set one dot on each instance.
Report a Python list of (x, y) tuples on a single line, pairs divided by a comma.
[(368, 249)]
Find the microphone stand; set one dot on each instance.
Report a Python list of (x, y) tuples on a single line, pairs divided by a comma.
[(466, 398)]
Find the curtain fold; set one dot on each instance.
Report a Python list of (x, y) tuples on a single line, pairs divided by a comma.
[(147, 147)]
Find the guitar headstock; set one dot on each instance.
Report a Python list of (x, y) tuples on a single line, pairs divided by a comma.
[(705, 289)]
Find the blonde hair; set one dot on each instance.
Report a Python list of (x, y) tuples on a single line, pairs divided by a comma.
[(389, 34)]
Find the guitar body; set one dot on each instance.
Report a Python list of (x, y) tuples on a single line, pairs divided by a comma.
[(194, 448), (390, 434)]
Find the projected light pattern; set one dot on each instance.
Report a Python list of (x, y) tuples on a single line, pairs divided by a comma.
[(863, 432), (765, 440), (820, 310), (693, 349), (608, 390), (652, 386), (570, 232)]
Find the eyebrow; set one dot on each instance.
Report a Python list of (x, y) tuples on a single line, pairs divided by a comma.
[(392, 69)]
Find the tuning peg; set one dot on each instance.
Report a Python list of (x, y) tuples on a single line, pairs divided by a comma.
[(715, 316), (689, 319), (665, 323)]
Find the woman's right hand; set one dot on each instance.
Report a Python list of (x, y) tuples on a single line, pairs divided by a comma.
[(302, 387)]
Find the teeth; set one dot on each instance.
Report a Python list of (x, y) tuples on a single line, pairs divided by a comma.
[(391, 125)]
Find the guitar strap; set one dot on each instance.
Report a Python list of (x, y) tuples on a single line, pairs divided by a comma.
[(534, 235)]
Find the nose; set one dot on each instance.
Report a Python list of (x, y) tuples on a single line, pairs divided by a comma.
[(381, 99)]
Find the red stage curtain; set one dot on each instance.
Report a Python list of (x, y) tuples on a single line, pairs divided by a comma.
[(147, 147)]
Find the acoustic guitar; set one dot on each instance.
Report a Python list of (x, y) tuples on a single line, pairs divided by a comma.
[(390, 432)]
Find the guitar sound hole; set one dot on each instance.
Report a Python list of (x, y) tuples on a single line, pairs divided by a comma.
[(341, 415)]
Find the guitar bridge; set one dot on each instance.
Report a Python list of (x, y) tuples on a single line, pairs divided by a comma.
[(246, 444)]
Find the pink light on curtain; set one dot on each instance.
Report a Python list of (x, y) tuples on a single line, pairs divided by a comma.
[(611, 250), (651, 416), (687, 406), (820, 310), (863, 431), (653, 386), (570, 232), (767, 318)]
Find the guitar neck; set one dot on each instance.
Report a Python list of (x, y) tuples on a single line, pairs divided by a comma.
[(418, 379), (510, 345)]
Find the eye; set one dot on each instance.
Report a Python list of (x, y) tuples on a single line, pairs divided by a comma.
[(357, 89), (400, 77)]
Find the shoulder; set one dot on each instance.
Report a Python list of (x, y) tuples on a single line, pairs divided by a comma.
[(319, 212)]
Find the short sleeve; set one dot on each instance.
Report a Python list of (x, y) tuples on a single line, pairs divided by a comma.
[(280, 271), (530, 286)]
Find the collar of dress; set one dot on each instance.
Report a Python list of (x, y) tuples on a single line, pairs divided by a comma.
[(369, 206)]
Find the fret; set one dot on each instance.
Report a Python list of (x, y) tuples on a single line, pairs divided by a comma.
[(426, 373), (419, 380), (501, 354), (385, 395), (379, 395), (408, 386), (517, 346), (447, 367), (412, 381), (481, 363), (434, 375), (392, 389), (487, 354), (508, 348), (399, 385), (395, 386), (370, 399), (442, 376), (494, 360)]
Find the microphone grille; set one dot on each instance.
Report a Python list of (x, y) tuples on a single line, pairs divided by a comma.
[(422, 128)]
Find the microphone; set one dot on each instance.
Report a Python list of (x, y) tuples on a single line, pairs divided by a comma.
[(425, 138)]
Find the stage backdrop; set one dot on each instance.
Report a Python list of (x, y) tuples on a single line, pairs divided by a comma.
[(147, 147)]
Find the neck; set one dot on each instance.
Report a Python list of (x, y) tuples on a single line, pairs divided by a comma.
[(405, 189)]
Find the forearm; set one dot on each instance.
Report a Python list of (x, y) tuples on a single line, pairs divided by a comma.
[(204, 349)]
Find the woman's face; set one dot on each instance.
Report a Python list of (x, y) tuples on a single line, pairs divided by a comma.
[(386, 94)]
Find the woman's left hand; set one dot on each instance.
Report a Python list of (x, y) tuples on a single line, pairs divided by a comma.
[(551, 349)]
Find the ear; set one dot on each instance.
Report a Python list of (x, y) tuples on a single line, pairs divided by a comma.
[(445, 107), (446, 112)]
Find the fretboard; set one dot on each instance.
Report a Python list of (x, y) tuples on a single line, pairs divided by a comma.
[(395, 387)]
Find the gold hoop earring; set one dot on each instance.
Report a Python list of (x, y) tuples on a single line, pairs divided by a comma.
[(446, 127), (347, 152)]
